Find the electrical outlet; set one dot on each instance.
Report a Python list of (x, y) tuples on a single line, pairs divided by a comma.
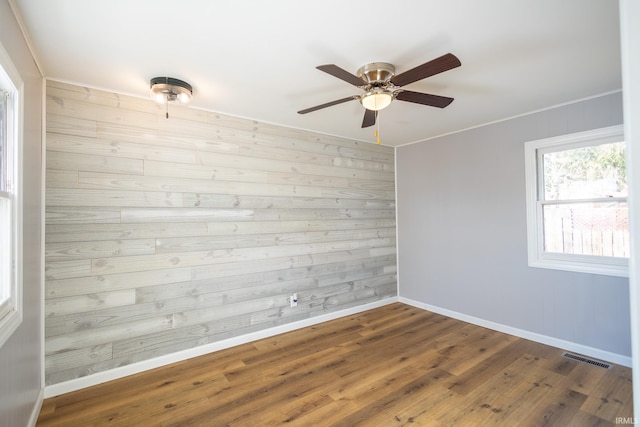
[(293, 300)]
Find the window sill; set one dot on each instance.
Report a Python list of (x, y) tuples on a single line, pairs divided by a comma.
[(619, 269)]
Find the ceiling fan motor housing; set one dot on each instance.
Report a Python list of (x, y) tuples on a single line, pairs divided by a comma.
[(376, 73)]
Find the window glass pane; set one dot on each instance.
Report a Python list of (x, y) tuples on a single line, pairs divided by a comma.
[(3, 141), (5, 249), (584, 173), (600, 229), (5, 206)]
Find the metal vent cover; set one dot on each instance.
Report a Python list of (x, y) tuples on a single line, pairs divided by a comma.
[(586, 360)]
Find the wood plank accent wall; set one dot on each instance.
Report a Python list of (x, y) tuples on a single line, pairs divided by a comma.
[(163, 235)]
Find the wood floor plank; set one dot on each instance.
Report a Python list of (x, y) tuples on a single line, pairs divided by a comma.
[(584, 378), (488, 399), (295, 410), (559, 409), (473, 350), (329, 415), (404, 387), (392, 366), (582, 419), (612, 396), (519, 401), (418, 410), (247, 407)]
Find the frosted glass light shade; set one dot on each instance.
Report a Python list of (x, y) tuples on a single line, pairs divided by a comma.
[(376, 100)]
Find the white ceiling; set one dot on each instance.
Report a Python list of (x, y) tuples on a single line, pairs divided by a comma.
[(257, 58)]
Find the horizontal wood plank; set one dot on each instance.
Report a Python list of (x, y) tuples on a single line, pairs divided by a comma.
[(61, 178), (80, 215), (99, 249), (57, 141), (86, 162), (88, 302), (63, 280), (71, 126)]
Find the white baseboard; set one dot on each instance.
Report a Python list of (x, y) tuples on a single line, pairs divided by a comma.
[(544, 339), (134, 368), (35, 412)]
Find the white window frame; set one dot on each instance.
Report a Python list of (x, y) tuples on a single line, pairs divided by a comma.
[(612, 266), (11, 311)]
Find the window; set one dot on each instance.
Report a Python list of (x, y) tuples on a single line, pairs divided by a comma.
[(10, 199), (577, 213)]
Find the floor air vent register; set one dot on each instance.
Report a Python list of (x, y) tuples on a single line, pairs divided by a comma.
[(586, 360)]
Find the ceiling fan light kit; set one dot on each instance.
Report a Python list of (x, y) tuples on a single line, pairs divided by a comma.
[(381, 85), (376, 99), (168, 89), (377, 76)]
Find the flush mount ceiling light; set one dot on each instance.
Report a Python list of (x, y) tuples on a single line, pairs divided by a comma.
[(167, 89)]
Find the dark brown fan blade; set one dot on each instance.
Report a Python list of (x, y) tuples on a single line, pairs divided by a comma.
[(338, 72), (369, 118), (328, 104), (433, 67), (424, 98)]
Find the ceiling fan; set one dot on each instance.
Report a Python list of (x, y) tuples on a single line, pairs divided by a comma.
[(381, 85)]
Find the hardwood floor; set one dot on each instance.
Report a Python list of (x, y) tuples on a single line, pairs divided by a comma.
[(392, 366)]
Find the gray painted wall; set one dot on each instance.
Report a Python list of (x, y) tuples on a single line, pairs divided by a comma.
[(20, 356), (164, 235), (462, 233)]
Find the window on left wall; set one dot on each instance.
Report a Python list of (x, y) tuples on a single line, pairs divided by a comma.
[(10, 198)]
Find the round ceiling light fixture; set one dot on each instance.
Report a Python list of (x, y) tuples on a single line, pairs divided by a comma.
[(168, 89)]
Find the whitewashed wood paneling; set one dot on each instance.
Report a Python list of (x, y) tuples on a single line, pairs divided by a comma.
[(164, 234)]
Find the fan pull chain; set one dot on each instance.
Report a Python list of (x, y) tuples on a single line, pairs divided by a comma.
[(376, 132)]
